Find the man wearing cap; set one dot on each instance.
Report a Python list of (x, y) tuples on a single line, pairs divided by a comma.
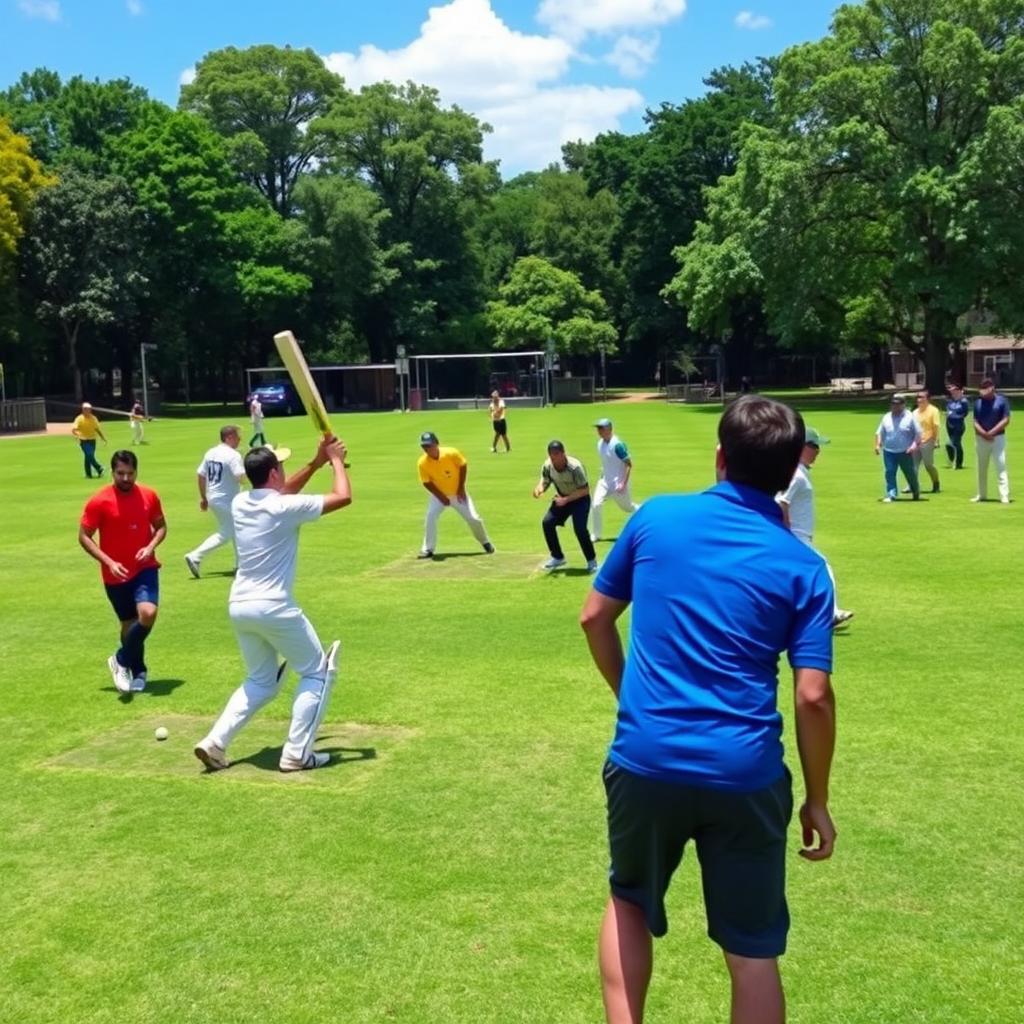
[(897, 438), (87, 428), (572, 500), (797, 504), (991, 418), (266, 620), (928, 419), (616, 466), (957, 408), (442, 472)]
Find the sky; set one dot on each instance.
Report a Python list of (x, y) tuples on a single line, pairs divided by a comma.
[(540, 72)]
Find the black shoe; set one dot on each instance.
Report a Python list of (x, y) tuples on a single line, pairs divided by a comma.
[(489, 548), (935, 489)]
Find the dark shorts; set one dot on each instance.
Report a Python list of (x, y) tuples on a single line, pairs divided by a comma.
[(741, 846), (500, 427), (124, 597)]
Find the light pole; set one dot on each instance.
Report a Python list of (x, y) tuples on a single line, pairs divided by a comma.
[(143, 348), (604, 377)]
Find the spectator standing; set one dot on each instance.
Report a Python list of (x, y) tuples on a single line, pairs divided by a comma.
[(991, 418), (897, 438), (957, 408)]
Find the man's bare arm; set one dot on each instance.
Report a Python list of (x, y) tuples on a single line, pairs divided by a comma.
[(341, 492), (93, 549), (816, 739), (598, 620)]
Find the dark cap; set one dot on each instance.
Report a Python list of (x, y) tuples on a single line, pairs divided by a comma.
[(428, 437), (556, 446), (988, 382)]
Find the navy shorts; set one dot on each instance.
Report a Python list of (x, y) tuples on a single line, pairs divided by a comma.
[(500, 428), (741, 846), (124, 597)]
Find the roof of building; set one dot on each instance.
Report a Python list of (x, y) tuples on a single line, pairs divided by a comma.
[(995, 343)]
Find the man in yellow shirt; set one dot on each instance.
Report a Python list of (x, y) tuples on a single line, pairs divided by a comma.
[(928, 419), (87, 428), (442, 472)]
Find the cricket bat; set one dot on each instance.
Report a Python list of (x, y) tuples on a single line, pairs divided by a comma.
[(302, 380)]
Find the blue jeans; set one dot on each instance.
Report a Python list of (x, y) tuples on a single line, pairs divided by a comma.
[(905, 462), (89, 453), (955, 444)]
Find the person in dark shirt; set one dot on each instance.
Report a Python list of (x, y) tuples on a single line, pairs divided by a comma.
[(957, 408), (991, 418)]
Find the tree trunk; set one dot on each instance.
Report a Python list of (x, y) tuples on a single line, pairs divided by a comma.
[(71, 339), (939, 333), (879, 367)]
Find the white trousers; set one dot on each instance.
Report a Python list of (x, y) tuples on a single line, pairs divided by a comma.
[(996, 451), (264, 630), (136, 431), (465, 509), (225, 532), (603, 490)]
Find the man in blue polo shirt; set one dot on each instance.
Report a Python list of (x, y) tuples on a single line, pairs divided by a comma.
[(719, 588), (991, 418)]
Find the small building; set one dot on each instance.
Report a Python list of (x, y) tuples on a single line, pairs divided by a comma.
[(998, 356)]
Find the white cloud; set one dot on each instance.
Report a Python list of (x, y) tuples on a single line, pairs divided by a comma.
[(188, 76), (752, 22), (48, 10), (576, 19), (134, 7), (508, 79), (631, 56)]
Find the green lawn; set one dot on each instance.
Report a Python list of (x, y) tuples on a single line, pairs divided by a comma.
[(451, 866)]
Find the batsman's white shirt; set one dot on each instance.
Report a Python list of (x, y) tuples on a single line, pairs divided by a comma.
[(223, 468), (267, 537), (613, 454), (799, 496)]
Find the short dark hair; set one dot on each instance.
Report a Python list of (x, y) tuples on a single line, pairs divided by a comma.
[(987, 383), (227, 431), (124, 456), (259, 464), (556, 446), (761, 443)]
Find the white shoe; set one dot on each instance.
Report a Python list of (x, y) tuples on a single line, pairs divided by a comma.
[(214, 757), (592, 566), (840, 618), (193, 565), (315, 760), (553, 563), (977, 497), (1004, 501), (139, 682), (122, 677)]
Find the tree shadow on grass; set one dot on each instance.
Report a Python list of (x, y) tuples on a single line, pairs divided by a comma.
[(268, 758)]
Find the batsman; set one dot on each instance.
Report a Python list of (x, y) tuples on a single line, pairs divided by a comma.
[(266, 620)]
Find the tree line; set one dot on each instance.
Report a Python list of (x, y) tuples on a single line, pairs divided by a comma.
[(853, 193)]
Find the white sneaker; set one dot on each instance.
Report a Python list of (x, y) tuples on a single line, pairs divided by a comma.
[(977, 497), (139, 682), (840, 618), (122, 677), (592, 566), (553, 563), (315, 760), (1004, 501), (214, 757), (193, 565)]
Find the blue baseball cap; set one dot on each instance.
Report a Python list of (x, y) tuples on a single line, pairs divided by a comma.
[(428, 437)]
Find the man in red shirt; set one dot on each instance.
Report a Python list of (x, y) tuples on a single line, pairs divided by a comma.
[(131, 525)]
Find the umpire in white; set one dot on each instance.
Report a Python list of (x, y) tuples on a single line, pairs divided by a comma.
[(616, 467), (263, 612), (218, 476)]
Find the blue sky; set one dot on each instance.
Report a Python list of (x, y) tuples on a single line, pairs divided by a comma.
[(539, 71)]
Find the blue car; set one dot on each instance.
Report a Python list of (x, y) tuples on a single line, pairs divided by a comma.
[(277, 398)]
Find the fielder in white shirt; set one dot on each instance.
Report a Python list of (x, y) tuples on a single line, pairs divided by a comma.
[(219, 477), (616, 466), (266, 620), (797, 504)]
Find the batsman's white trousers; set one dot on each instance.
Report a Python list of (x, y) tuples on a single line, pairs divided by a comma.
[(996, 451), (266, 629), (466, 509), (225, 532), (136, 431), (603, 490)]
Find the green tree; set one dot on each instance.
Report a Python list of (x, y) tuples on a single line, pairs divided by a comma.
[(21, 178), (268, 101), (82, 258), (540, 302), (877, 205)]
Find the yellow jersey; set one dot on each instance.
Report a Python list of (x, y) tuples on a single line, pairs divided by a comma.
[(442, 472), (86, 428), (928, 420)]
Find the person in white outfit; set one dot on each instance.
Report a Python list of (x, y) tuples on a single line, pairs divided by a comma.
[(442, 471), (219, 477), (136, 418), (266, 620), (256, 418), (991, 418), (797, 504), (616, 467)]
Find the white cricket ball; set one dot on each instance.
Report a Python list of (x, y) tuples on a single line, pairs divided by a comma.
[(160, 733)]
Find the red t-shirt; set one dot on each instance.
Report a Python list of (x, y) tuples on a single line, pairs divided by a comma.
[(126, 523)]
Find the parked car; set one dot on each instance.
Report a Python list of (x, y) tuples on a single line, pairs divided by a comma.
[(277, 397)]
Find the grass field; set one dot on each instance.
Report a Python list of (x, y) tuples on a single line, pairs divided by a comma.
[(451, 865)]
